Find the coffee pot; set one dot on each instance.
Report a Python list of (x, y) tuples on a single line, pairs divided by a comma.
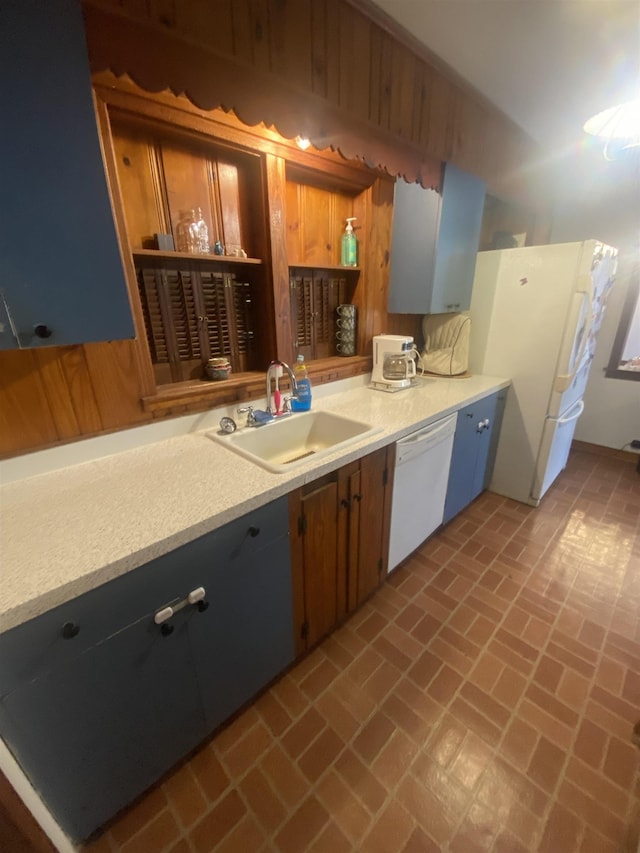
[(394, 366)]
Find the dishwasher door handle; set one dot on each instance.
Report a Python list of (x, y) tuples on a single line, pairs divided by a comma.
[(420, 441)]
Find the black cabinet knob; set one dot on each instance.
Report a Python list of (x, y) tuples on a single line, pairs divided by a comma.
[(70, 630), (254, 531), (202, 606), (166, 630), (41, 330)]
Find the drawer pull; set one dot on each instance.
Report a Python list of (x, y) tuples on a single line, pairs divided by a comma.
[(196, 595), (254, 531), (162, 616), (70, 630)]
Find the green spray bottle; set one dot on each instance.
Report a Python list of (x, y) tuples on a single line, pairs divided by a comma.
[(349, 247)]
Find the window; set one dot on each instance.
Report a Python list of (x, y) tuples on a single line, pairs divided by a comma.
[(625, 354)]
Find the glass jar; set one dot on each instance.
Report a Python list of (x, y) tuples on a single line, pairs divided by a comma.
[(187, 239), (202, 232)]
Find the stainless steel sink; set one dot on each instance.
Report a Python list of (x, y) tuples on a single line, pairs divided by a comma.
[(292, 440)]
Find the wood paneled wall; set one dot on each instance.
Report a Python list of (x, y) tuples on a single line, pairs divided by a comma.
[(333, 70), (321, 67)]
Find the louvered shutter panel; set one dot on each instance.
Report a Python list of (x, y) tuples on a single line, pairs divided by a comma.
[(215, 312), (301, 310), (180, 291), (243, 322), (149, 289)]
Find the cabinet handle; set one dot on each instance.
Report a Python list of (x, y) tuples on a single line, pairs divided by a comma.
[(485, 424), (345, 503), (162, 616), (41, 330), (254, 531), (70, 630), (357, 498)]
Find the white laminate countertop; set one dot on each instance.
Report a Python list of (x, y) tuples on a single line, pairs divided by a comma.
[(66, 531)]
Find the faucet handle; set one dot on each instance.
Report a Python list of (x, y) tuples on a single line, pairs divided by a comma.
[(251, 418)]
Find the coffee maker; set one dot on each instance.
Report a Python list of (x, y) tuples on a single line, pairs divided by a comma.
[(394, 366)]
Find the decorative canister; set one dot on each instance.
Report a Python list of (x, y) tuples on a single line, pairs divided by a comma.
[(218, 368)]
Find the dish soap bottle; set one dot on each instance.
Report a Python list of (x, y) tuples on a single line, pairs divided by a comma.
[(301, 403), (349, 247)]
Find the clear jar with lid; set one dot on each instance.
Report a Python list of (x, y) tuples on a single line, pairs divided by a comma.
[(187, 239), (202, 232)]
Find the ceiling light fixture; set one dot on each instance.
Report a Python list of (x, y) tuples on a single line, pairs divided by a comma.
[(619, 126)]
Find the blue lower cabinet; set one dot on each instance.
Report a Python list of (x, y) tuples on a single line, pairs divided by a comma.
[(97, 701), (245, 636), (96, 731), (471, 457)]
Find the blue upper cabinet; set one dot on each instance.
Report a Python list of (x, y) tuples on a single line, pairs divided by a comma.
[(62, 279), (434, 244)]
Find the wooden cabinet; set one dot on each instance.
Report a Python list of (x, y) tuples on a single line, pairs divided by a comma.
[(434, 244), (474, 449), (340, 541), (63, 280), (97, 701)]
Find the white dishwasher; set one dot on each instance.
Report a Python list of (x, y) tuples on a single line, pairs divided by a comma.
[(420, 486)]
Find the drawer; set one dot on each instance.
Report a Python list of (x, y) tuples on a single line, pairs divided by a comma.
[(32, 648)]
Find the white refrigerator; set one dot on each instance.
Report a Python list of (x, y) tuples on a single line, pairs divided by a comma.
[(535, 315)]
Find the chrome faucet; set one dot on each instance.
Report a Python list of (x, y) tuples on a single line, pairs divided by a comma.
[(270, 373)]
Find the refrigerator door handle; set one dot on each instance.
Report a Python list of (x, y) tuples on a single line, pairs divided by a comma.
[(585, 286), (574, 417)]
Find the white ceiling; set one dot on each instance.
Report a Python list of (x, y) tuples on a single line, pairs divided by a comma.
[(548, 64)]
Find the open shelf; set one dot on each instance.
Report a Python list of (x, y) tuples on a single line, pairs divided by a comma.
[(221, 259)]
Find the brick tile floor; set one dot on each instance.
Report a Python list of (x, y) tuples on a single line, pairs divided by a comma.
[(482, 700)]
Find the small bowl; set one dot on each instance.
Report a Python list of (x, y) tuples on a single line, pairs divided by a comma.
[(217, 369)]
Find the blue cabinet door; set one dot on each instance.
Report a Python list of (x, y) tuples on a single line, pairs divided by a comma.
[(96, 731), (458, 241), (245, 636), (484, 417), (470, 456), (496, 426), (416, 219), (62, 273), (434, 244)]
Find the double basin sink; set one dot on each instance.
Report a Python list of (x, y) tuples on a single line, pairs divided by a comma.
[(293, 440)]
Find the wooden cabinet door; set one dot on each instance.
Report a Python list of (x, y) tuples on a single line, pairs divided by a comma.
[(373, 523), (340, 543), (61, 264), (316, 561)]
